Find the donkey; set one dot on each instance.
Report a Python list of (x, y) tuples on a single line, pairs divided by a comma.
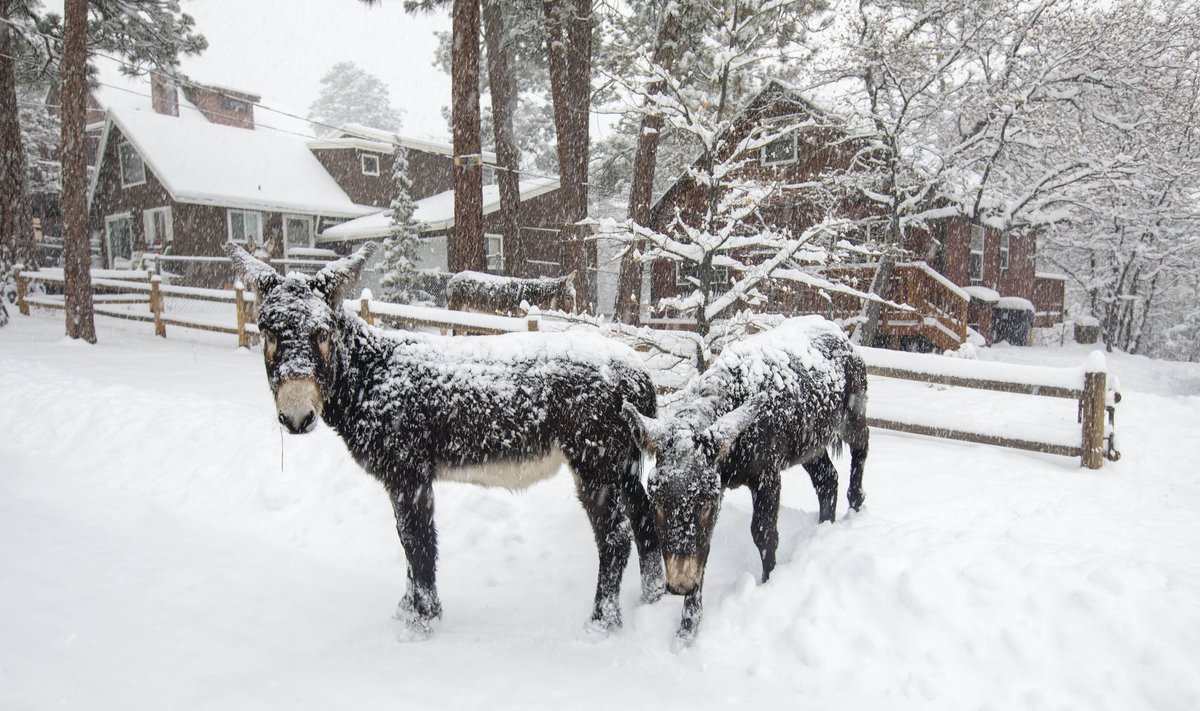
[(491, 293), (772, 401), (495, 410)]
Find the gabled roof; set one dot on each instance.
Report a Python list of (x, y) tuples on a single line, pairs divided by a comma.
[(210, 164), (435, 213)]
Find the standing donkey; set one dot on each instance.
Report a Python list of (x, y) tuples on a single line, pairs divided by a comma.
[(495, 410), (769, 402)]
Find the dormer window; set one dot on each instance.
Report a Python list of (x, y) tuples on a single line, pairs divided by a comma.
[(133, 171), (370, 163), (231, 104)]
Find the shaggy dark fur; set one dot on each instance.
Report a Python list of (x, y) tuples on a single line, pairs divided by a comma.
[(490, 293), (770, 402), (416, 408)]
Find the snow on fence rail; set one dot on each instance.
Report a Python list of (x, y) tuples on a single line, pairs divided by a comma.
[(1086, 384), (141, 296)]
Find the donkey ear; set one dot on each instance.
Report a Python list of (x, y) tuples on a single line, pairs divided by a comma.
[(650, 433), (336, 278), (721, 435), (259, 276)]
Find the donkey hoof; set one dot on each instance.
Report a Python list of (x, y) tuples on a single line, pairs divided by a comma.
[(683, 639), (414, 629), (595, 630)]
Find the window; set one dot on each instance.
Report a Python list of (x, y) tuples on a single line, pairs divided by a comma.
[(245, 226), (975, 260), (158, 229), (781, 150), (118, 233), (494, 249), (370, 163), (297, 231), (686, 272), (133, 171), (231, 104), (1004, 245)]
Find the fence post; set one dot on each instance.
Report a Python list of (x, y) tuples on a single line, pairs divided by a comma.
[(239, 300), (156, 306), (22, 285), (1091, 409), (364, 307), (532, 317)]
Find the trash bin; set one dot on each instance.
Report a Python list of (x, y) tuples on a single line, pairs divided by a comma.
[(1012, 320)]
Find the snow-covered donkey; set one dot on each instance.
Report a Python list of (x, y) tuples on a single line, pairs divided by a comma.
[(769, 402), (493, 410)]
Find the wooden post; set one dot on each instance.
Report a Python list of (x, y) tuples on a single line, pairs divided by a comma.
[(156, 306), (239, 300), (532, 317), (22, 285), (1091, 411), (364, 308)]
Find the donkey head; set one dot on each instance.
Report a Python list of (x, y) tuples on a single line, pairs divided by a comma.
[(565, 297), (298, 319), (685, 486)]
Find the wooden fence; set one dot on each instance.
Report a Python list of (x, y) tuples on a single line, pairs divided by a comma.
[(125, 299), (1087, 385)]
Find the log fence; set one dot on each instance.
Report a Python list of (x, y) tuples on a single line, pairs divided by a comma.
[(125, 299)]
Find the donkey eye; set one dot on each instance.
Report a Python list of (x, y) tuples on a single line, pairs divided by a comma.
[(323, 344), (660, 517), (705, 516), (270, 343)]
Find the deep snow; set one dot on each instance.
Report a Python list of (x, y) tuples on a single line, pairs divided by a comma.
[(165, 546)]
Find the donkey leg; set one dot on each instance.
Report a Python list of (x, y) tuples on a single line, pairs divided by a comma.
[(611, 531), (858, 439), (641, 517), (825, 480), (693, 610), (764, 524), (413, 507)]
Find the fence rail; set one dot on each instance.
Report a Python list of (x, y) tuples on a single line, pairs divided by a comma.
[(142, 297)]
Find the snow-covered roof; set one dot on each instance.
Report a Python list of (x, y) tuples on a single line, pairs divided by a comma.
[(351, 131), (435, 212), (211, 164)]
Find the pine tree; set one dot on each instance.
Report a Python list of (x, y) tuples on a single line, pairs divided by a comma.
[(401, 280), (351, 94)]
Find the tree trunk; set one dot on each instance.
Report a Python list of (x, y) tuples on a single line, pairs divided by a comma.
[(508, 156), (16, 222), (628, 305), (866, 333), (569, 36), (466, 241), (77, 288)]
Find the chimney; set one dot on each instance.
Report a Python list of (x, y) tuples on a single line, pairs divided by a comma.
[(164, 96)]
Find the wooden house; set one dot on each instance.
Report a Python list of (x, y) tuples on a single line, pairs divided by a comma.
[(955, 274), (182, 184)]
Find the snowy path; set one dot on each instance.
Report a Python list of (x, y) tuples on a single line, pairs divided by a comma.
[(164, 547)]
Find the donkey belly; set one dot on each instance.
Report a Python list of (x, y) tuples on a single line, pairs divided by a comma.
[(509, 473)]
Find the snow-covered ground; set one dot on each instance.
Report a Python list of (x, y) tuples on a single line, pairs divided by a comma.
[(165, 547)]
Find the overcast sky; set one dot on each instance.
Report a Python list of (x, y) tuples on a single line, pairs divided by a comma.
[(280, 49)]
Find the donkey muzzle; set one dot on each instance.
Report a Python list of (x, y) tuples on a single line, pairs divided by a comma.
[(299, 403), (684, 573)]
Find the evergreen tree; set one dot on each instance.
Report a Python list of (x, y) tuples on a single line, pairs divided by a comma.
[(401, 280), (351, 94)]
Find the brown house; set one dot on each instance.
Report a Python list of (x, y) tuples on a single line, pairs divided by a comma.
[(960, 274), (180, 188)]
